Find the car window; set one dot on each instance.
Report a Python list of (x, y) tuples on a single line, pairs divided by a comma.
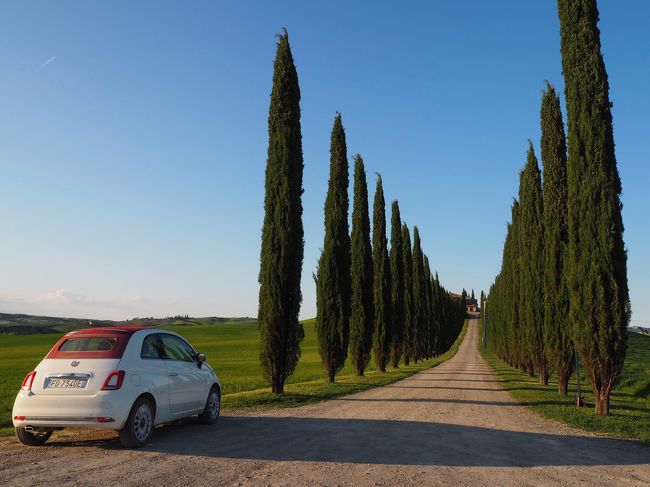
[(177, 349), (151, 347), (87, 344)]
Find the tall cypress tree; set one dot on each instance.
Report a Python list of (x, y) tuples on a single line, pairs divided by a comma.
[(512, 293), (282, 231), (482, 305), (362, 306), (382, 281), (333, 279), (409, 306), (419, 298), (430, 318), (599, 306), (557, 341), (397, 288), (531, 242), (440, 298)]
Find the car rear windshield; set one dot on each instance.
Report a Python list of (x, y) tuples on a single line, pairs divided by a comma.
[(90, 346), (87, 344)]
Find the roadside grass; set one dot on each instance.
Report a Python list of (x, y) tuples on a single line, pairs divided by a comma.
[(629, 404), (233, 351)]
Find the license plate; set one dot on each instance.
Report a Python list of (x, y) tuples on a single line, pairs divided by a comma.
[(57, 383)]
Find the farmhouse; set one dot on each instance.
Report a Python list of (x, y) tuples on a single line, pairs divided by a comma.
[(471, 303)]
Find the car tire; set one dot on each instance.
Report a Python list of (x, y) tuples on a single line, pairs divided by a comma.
[(32, 438), (139, 426), (212, 409)]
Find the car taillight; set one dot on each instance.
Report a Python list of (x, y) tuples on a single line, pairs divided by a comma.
[(28, 381), (114, 381)]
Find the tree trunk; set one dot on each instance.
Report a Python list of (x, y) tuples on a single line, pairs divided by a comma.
[(530, 370), (406, 361), (543, 376), (330, 375), (277, 387), (563, 383), (602, 402)]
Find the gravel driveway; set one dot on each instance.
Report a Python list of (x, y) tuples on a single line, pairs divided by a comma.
[(450, 425)]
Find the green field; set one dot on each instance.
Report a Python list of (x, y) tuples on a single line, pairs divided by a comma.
[(232, 350), (21, 324), (629, 405)]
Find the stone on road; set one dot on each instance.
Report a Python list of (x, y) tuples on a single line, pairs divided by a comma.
[(450, 425)]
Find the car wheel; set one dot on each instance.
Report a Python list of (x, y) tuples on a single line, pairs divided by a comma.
[(139, 425), (210, 413), (32, 438)]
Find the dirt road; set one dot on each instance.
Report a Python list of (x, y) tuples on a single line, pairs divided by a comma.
[(450, 425)]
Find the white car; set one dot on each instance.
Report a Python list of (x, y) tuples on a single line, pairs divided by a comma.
[(127, 379)]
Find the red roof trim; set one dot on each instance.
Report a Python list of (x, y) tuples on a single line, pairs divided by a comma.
[(107, 330)]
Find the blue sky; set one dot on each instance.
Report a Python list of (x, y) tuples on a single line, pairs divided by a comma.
[(134, 139)]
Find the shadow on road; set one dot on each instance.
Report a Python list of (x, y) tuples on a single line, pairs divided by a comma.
[(430, 400), (485, 389), (381, 442)]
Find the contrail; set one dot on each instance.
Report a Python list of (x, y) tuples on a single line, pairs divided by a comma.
[(45, 63)]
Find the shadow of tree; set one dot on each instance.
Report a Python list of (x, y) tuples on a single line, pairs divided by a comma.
[(392, 442), (389, 442)]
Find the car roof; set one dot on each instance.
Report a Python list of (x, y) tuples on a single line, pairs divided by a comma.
[(111, 330)]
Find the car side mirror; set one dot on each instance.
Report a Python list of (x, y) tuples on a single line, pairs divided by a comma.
[(200, 358)]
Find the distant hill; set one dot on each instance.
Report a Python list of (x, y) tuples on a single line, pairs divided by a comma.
[(22, 324)]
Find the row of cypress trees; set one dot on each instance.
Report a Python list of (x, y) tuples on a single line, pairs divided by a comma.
[(563, 281), (369, 301)]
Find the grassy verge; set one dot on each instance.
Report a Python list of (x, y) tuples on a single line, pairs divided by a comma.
[(233, 351), (629, 405)]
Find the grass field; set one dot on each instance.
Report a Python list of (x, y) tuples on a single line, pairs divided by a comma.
[(629, 405), (233, 351)]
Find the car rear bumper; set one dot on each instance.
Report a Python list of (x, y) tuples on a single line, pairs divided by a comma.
[(105, 410), (64, 422)]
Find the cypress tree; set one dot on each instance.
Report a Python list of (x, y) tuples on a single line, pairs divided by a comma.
[(382, 280), (512, 294), (440, 300), (362, 307), (397, 287), (430, 319), (333, 279), (409, 310), (531, 243), (419, 298), (282, 231), (559, 349), (482, 305), (599, 306)]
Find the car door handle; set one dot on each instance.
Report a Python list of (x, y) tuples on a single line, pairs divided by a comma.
[(173, 374)]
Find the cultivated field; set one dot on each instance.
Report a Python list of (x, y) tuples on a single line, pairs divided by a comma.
[(232, 349)]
